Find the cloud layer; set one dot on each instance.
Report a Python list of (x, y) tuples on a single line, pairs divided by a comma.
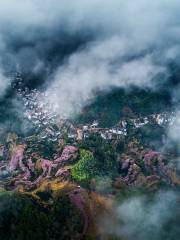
[(88, 46), (144, 217)]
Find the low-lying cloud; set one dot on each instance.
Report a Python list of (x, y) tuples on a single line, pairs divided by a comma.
[(86, 46), (146, 217), (4, 83), (99, 67)]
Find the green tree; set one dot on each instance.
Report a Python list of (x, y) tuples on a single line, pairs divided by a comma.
[(85, 168)]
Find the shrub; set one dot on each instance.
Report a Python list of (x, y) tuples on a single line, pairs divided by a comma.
[(85, 168)]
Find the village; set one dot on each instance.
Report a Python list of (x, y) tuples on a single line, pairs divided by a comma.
[(120, 130), (42, 117)]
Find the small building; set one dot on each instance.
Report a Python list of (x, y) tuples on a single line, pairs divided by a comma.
[(79, 134), (94, 124)]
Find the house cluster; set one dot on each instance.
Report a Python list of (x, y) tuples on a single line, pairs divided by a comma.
[(121, 129), (161, 119), (38, 111), (106, 133)]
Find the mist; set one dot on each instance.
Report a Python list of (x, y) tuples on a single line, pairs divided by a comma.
[(74, 50), (146, 217)]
